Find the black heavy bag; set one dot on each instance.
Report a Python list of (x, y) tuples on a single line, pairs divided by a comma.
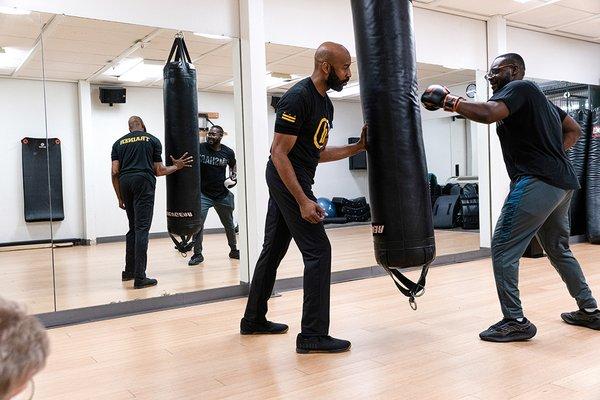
[(42, 179), (578, 157), (593, 180), (398, 182), (181, 135)]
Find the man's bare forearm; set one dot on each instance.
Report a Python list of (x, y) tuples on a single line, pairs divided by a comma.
[(335, 153), (117, 186), (475, 111)]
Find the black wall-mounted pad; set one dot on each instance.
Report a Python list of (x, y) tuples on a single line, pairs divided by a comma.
[(445, 211), (180, 97), (593, 180), (42, 179), (578, 156)]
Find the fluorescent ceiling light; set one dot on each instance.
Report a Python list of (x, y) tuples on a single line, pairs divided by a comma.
[(522, 1), (146, 70), (123, 66), (277, 79), (12, 57), (211, 36), (13, 11), (351, 89)]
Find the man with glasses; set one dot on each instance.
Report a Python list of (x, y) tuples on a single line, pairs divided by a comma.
[(534, 135), (214, 158)]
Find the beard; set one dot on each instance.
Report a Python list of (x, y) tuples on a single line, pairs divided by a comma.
[(212, 141), (334, 82)]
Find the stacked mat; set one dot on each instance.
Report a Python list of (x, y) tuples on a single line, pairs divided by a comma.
[(350, 210)]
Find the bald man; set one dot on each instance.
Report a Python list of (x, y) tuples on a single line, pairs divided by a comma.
[(136, 162), (304, 118)]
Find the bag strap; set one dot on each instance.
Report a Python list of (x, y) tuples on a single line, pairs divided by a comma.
[(184, 245), (179, 49), (407, 287)]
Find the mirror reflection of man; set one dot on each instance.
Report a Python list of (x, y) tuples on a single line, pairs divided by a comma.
[(136, 162), (214, 158)]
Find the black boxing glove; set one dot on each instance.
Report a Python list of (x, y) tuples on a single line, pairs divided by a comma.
[(438, 96)]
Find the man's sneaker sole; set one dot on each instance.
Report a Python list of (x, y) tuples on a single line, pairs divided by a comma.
[(514, 336), (264, 333), (507, 339), (306, 351), (144, 286), (595, 326)]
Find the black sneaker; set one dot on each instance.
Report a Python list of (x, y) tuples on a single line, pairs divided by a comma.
[(320, 344), (196, 259), (127, 276), (261, 328), (235, 254), (146, 282), (583, 318), (509, 330)]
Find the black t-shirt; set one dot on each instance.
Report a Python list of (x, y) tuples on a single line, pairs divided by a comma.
[(303, 112), (531, 136), (137, 152), (212, 169)]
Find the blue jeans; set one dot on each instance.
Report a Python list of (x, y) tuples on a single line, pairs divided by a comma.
[(224, 208), (534, 207)]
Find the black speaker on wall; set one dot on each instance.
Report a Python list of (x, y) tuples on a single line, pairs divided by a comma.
[(111, 95), (358, 161)]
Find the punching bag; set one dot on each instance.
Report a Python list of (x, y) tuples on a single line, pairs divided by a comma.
[(578, 157), (180, 98), (398, 182), (593, 180)]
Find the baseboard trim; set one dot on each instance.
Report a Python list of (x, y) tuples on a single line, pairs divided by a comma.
[(152, 235)]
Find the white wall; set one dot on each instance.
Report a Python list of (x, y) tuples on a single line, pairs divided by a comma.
[(110, 123), (438, 143), (216, 17), (22, 114), (556, 58), (333, 22)]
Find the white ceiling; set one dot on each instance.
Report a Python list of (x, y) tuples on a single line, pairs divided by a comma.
[(81, 49), (579, 19), (299, 61)]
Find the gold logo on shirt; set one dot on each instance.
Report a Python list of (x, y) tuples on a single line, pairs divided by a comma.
[(322, 133), (288, 117), (134, 139)]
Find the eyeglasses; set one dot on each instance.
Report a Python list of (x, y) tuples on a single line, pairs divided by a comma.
[(27, 393), (495, 71)]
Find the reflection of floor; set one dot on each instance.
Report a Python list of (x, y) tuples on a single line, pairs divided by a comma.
[(90, 275), (432, 353), (352, 247)]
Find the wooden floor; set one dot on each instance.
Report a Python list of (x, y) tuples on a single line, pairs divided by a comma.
[(91, 275), (397, 353)]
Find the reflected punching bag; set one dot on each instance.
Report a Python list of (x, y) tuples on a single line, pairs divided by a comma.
[(398, 184), (180, 98), (593, 180), (578, 157)]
